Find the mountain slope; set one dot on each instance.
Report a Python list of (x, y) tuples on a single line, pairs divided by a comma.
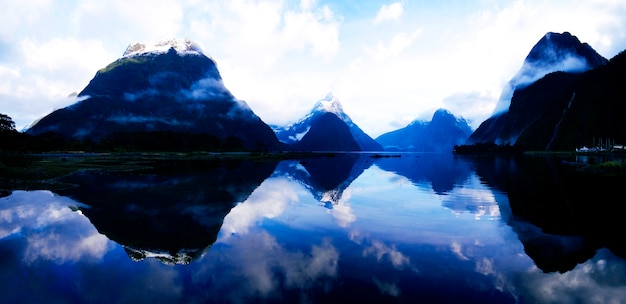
[(553, 52), (170, 87), (440, 134), (328, 133), (589, 107), (292, 134)]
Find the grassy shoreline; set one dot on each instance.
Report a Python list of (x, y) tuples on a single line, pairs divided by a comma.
[(42, 171)]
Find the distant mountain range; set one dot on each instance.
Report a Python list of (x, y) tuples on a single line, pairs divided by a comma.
[(154, 96), (170, 96), (564, 95), (440, 134), (326, 128)]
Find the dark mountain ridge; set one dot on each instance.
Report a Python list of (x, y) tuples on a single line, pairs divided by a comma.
[(440, 134), (564, 111), (146, 94), (553, 53), (585, 108), (331, 137), (328, 133)]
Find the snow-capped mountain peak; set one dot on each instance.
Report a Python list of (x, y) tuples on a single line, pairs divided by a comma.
[(181, 46), (319, 121), (330, 104)]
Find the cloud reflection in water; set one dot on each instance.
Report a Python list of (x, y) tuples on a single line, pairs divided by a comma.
[(51, 229), (382, 241)]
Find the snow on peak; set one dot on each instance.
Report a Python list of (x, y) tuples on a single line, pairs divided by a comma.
[(331, 104), (181, 46)]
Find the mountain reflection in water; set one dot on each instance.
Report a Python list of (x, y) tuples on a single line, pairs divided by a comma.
[(173, 212), (342, 227)]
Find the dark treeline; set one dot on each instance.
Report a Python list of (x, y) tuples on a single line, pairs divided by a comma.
[(164, 141), (488, 148), (167, 141)]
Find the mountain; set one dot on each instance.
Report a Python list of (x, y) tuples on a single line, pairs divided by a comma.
[(441, 134), (554, 52), (581, 109), (328, 134), (170, 93)]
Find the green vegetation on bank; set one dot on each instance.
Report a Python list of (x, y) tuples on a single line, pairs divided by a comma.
[(34, 172), (609, 168), (21, 171)]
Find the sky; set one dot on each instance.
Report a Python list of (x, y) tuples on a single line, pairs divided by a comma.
[(388, 62)]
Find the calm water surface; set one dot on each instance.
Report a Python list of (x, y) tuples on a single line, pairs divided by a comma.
[(424, 228)]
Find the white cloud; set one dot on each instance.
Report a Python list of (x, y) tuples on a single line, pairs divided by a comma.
[(389, 12), (127, 21), (49, 70), (398, 43), (281, 56), (260, 33), (18, 16), (316, 30), (62, 53), (473, 106)]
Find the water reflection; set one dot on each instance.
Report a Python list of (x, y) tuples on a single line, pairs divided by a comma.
[(256, 232), (441, 171), (48, 230), (561, 216), (172, 213), (599, 280), (326, 177)]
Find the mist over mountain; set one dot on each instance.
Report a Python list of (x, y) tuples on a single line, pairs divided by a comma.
[(554, 52), (440, 134), (319, 131), (584, 108), (154, 93), (564, 110), (171, 96)]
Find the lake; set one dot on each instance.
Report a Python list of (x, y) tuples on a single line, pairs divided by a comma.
[(427, 228)]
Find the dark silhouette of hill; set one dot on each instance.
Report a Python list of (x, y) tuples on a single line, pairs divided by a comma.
[(143, 96), (293, 134), (538, 92), (328, 133), (441, 134)]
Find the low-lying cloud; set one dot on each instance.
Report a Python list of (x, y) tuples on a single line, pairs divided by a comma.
[(530, 72)]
